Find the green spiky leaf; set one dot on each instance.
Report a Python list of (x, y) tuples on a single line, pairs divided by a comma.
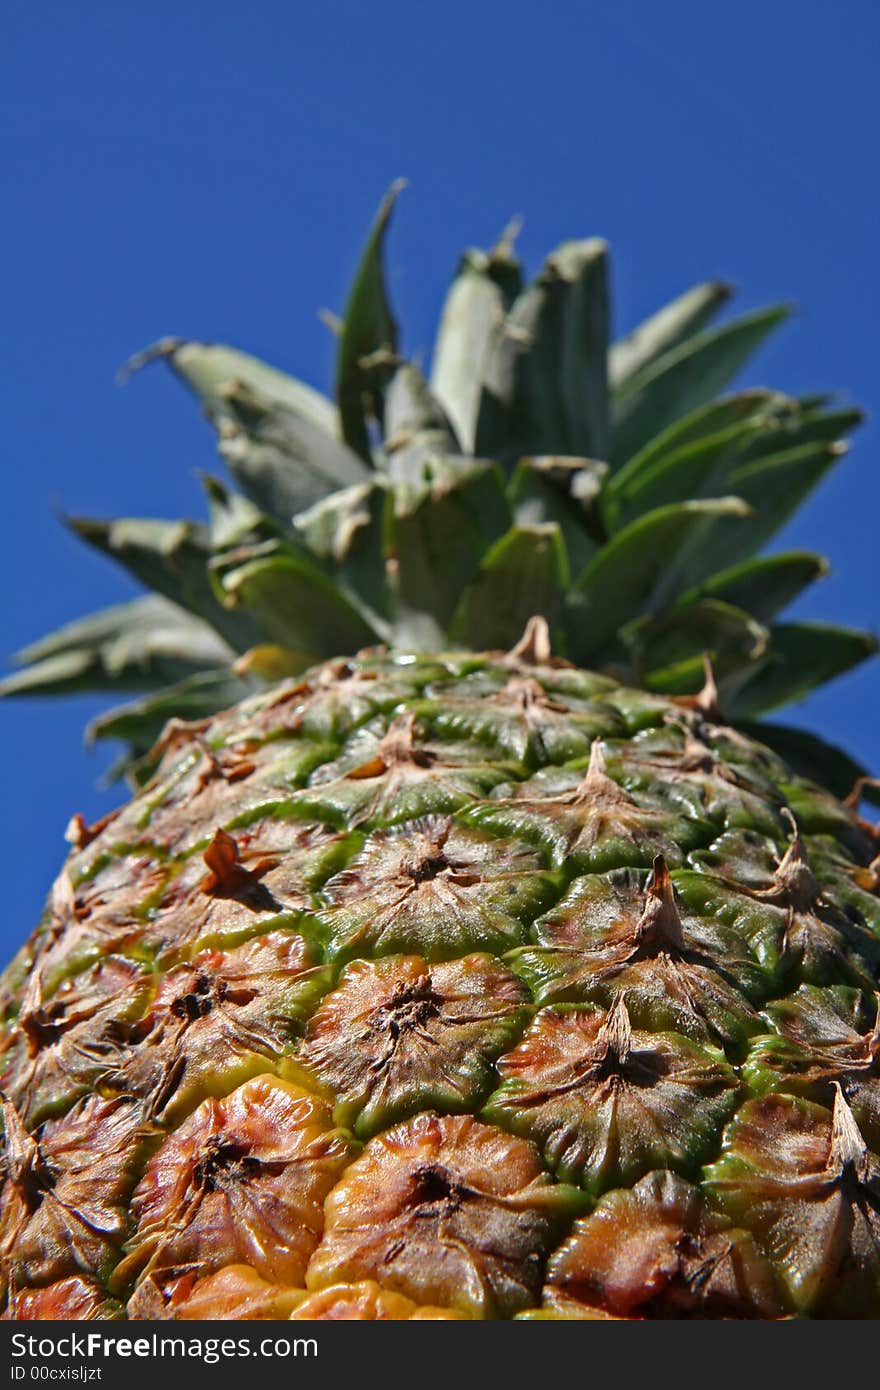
[(545, 382), (801, 657), (282, 461), (523, 573), (700, 468), (211, 370), (171, 558), (684, 378), (232, 519), (347, 532), (438, 536), (473, 318), (368, 338), (667, 651), (296, 604), (640, 570), (695, 429), (664, 331), (773, 486), (566, 491), (149, 642), (417, 428), (765, 586)]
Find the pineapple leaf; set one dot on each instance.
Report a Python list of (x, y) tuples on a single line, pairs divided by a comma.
[(584, 350), (232, 519), (545, 383), (523, 573), (416, 425), (211, 369), (566, 491), (368, 338), (346, 532), (282, 461), (718, 462), (472, 320), (774, 486), (764, 586), (684, 378), (668, 650), (700, 468), (801, 656), (145, 643), (664, 331), (279, 437), (810, 756), (294, 602), (699, 426), (640, 570), (438, 535), (817, 423), (170, 558)]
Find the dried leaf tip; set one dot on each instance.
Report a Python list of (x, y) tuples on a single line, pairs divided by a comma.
[(503, 250), (80, 834), (706, 703), (849, 1152), (397, 746), (22, 1157), (533, 648), (794, 879), (156, 352), (872, 1037), (615, 1035), (228, 877), (660, 921), (861, 785), (223, 860), (428, 857), (596, 785), (177, 733)]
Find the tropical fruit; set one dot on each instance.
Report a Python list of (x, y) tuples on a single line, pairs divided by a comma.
[(470, 947)]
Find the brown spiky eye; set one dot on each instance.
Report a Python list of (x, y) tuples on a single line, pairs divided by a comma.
[(218, 1020), (66, 1195), (799, 1176), (449, 1186), (606, 1102), (245, 1176), (658, 1251), (436, 886), (620, 933), (398, 1035)]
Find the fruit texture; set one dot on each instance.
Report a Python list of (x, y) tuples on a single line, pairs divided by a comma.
[(471, 947), (511, 1024)]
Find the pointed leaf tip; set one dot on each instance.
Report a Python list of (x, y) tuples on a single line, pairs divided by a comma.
[(368, 337), (155, 352), (534, 647)]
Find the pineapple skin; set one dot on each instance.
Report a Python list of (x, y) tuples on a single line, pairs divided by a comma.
[(451, 986)]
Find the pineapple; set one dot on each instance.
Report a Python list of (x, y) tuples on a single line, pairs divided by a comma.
[(469, 948)]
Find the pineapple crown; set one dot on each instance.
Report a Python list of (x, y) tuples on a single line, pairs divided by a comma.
[(540, 468)]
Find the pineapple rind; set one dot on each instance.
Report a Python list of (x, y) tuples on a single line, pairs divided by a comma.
[(379, 962)]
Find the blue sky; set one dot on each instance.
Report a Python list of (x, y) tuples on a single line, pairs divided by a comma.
[(209, 170)]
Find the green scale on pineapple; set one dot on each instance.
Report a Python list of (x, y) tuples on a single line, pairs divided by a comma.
[(470, 947)]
